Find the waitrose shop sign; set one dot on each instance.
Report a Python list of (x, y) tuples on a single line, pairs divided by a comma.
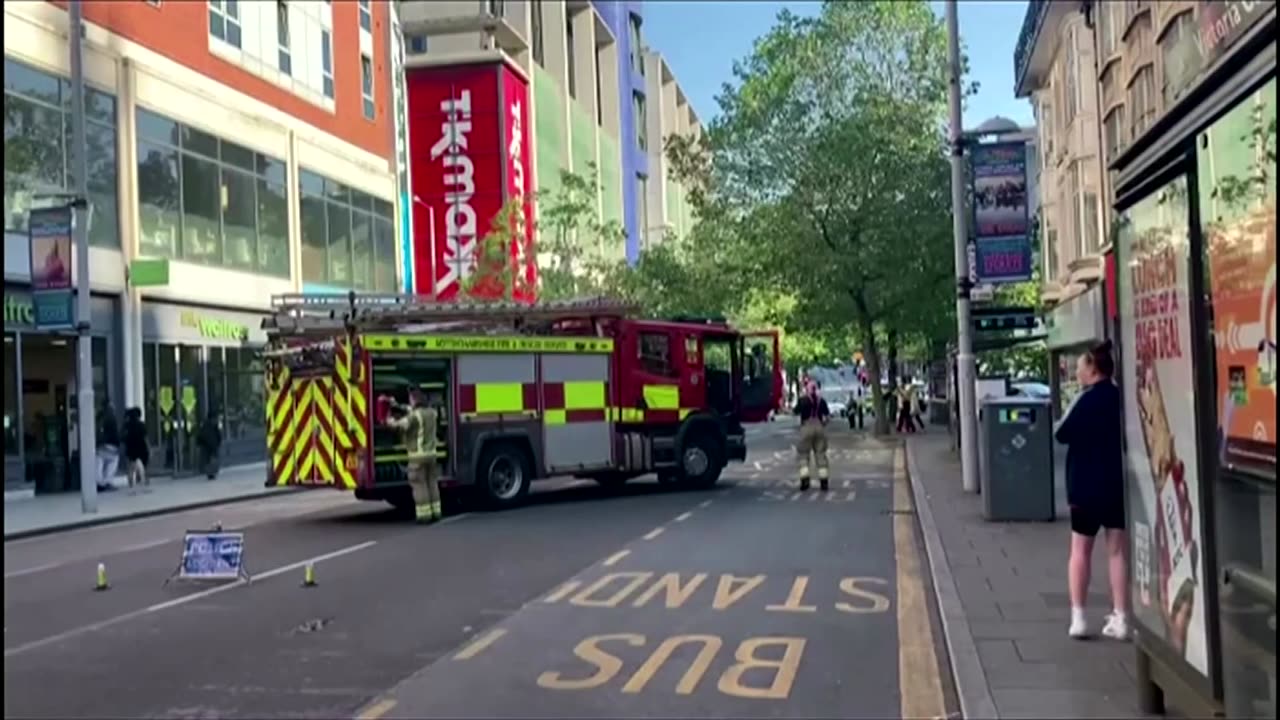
[(214, 328)]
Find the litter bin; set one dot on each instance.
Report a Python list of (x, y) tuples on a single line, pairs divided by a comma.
[(1016, 436)]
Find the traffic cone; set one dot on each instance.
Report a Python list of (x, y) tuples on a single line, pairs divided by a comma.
[(309, 575), (101, 583)]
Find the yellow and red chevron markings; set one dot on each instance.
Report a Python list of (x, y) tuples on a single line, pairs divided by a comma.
[(317, 426)]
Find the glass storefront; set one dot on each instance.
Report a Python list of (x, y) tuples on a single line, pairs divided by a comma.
[(201, 366)]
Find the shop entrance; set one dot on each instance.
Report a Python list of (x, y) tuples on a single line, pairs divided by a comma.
[(176, 388)]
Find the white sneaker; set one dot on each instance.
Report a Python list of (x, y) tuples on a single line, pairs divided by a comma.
[(1117, 627), (1079, 628)]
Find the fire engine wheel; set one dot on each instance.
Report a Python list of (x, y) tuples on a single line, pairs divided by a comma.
[(700, 461), (504, 475)]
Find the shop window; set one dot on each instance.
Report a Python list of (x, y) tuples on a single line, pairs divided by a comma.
[(201, 224), (339, 244), (348, 237), (38, 149), (207, 200)]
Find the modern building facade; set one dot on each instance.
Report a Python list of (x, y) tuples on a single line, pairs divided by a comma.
[(248, 144), (667, 210), (590, 98)]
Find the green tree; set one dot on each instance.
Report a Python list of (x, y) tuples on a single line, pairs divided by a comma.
[(580, 254), (828, 163)]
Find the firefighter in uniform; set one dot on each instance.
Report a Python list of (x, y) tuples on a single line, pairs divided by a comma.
[(814, 415), (418, 427)]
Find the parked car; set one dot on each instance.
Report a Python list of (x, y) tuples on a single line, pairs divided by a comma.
[(1037, 390)]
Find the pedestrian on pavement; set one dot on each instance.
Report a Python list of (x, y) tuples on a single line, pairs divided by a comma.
[(857, 404), (814, 414), (906, 406), (136, 451), (1091, 430), (418, 425), (209, 440), (107, 447)]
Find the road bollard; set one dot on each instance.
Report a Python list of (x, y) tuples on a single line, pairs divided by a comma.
[(101, 583), (309, 575)]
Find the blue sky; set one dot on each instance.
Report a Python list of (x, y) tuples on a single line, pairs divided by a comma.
[(701, 38)]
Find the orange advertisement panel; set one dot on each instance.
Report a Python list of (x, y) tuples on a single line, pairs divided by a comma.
[(1238, 207)]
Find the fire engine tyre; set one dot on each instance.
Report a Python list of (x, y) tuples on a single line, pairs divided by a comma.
[(504, 474), (701, 460)]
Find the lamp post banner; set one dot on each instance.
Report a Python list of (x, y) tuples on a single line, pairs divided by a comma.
[(52, 286), (1001, 219)]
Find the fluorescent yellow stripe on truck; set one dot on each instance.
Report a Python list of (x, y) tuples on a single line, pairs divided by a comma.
[(499, 397), (584, 395), (662, 397), (486, 344)]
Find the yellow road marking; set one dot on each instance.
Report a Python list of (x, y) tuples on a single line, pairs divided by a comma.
[(919, 682), (478, 645), (376, 710), (653, 533), (683, 516), (614, 558)]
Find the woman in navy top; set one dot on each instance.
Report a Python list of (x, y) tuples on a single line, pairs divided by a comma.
[(1091, 430)]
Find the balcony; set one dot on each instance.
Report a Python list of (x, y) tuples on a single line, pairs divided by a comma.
[(1031, 57)]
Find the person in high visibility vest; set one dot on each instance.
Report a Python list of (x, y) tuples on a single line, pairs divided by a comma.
[(418, 427), (814, 415)]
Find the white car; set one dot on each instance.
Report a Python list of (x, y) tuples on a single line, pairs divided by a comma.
[(837, 408), (1036, 390)]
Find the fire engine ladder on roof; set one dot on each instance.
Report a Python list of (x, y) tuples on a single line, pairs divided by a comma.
[(298, 314)]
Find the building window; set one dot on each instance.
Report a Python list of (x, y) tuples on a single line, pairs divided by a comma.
[(1179, 58), (1141, 102), (39, 156), (1113, 129), (642, 222), (1071, 86), (366, 85), (348, 237), (638, 117), (637, 59), (207, 200), (1132, 8), (1050, 253), (282, 37), (535, 18), (418, 44), (1109, 27), (224, 21), (495, 7), (1088, 223), (1046, 134), (326, 62), (366, 16), (599, 105), (571, 57)]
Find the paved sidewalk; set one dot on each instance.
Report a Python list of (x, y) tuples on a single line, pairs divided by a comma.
[(51, 513), (1002, 592)]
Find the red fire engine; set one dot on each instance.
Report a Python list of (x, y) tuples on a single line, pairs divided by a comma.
[(526, 392)]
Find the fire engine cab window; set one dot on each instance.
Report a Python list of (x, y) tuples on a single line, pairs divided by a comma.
[(655, 353)]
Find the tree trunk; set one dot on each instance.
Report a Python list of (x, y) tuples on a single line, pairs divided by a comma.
[(866, 326)]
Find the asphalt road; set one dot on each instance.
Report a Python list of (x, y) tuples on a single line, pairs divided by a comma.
[(748, 600)]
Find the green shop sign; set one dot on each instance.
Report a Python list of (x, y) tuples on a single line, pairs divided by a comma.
[(19, 310), (214, 328)]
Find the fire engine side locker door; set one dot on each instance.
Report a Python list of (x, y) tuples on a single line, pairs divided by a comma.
[(576, 426), (762, 382)]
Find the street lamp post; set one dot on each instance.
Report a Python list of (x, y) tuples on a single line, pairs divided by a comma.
[(84, 341), (964, 356)]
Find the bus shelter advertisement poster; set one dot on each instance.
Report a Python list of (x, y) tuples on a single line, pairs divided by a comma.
[(1239, 217), (1000, 215), (1157, 379)]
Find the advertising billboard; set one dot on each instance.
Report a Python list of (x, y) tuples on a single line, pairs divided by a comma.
[(469, 143), (1001, 219), (1166, 516), (52, 290), (456, 156)]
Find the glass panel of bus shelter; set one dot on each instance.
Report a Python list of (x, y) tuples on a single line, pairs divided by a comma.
[(150, 401)]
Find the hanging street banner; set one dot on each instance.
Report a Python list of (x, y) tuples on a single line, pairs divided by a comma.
[(1001, 220), (52, 289)]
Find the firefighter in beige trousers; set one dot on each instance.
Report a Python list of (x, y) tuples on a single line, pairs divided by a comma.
[(814, 414), (418, 427)]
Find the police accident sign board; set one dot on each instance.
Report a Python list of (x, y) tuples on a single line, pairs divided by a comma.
[(212, 555)]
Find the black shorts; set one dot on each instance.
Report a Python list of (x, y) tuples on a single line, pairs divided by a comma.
[(1087, 521)]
